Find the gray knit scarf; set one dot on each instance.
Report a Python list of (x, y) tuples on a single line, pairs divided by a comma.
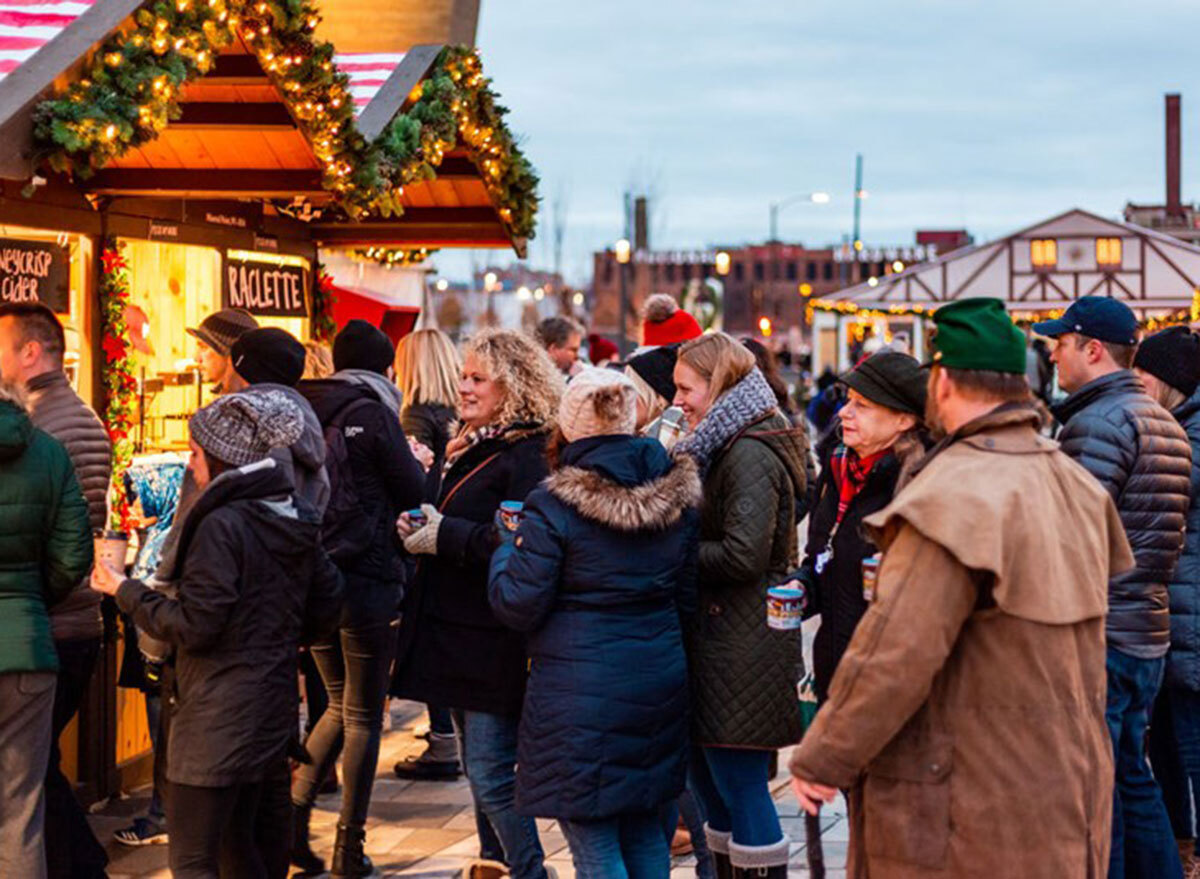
[(748, 401)]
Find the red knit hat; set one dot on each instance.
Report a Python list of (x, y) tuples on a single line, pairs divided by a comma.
[(599, 348), (665, 323)]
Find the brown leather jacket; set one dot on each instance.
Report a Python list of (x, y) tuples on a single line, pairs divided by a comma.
[(968, 712)]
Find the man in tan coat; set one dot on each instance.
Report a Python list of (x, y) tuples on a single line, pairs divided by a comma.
[(967, 715)]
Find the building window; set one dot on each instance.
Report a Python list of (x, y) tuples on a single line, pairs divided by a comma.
[(759, 271), (810, 271), (793, 271), (1043, 253), (1108, 251), (738, 271), (828, 271)]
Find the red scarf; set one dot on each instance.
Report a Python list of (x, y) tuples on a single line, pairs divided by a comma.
[(850, 473)]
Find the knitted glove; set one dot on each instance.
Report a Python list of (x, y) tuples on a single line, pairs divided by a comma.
[(424, 540)]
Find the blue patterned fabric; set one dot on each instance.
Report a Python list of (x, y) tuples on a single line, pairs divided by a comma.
[(156, 483)]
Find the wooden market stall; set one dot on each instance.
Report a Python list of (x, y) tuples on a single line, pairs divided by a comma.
[(1037, 271), (167, 159)]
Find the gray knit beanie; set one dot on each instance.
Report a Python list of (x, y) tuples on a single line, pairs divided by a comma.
[(243, 428)]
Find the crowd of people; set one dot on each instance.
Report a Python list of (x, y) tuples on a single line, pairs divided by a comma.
[(583, 571)]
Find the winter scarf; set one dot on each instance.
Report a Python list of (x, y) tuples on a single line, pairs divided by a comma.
[(747, 402), (467, 439), (389, 395), (850, 473)]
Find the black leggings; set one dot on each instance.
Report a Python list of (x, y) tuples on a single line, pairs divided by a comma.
[(355, 666), (238, 832)]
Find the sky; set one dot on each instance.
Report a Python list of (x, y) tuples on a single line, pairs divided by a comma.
[(979, 115)]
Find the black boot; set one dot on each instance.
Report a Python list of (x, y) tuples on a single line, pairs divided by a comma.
[(349, 862), (302, 854), (760, 861), (721, 863)]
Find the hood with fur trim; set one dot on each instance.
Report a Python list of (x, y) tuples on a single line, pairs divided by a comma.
[(626, 483)]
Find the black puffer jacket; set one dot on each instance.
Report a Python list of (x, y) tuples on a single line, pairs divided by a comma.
[(388, 480), (253, 584), (1183, 662), (1140, 454), (55, 408)]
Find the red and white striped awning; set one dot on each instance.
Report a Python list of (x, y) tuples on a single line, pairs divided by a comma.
[(367, 73), (27, 25)]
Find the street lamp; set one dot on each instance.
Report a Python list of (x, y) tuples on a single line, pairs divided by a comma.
[(777, 206), (623, 253), (722, 262)]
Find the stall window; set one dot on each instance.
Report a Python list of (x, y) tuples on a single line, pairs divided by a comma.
[(1108, 251), (1043, 253)]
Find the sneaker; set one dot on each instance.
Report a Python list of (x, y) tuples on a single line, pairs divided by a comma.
[(483, 869), (143, 831)]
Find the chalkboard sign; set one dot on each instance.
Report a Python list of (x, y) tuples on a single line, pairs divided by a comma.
[(32, 271), (265, 288)]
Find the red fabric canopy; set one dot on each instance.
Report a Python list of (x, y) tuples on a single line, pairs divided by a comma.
[(395, 320)]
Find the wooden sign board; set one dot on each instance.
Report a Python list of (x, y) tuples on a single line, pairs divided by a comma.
[(265, 289), (33, 271)]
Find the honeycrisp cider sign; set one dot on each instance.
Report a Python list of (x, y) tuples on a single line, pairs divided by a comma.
[(33, 271), (265, 288)]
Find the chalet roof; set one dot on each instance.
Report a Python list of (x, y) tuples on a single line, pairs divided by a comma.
[(1152, 271)]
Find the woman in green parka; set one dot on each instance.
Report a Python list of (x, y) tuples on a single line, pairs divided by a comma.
[(45, 550), (743, 674)]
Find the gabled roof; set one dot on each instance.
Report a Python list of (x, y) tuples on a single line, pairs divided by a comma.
[(247, 104), (1155, 272)]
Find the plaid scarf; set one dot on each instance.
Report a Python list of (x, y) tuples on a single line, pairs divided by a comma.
[(850, 473), (467, 439)]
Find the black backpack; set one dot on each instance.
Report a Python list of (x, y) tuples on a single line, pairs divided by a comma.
[(346, 531)]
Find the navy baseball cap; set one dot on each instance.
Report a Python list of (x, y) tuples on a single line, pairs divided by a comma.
[(1098, 317)]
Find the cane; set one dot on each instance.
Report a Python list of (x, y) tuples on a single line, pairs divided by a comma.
[(812, 847)]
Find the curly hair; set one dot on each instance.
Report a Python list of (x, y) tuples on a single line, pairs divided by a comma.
[(532, 383)]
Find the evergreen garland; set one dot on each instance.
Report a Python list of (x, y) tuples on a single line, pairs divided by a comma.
[(120, 386), (132, 84), (323, 326)]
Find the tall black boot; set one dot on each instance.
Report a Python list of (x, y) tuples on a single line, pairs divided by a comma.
[(302, 854), (760, 861), (718, 847), (349, 862)]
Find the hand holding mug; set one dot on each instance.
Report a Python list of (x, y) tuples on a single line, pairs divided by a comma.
[(105, 579)]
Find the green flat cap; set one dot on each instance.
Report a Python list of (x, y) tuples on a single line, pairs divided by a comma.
[(978, 334)]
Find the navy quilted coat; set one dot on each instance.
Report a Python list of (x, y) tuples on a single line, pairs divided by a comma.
[(599, 573), (1141, 456), (1183, 662)]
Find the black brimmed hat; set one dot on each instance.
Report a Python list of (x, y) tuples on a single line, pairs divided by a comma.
[(221, 329), (890, 379)]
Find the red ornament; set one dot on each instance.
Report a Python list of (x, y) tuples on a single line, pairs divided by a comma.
[(114, 348)]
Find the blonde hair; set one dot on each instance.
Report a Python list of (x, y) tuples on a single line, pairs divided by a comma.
[(318, 360), (427, 369), (531, 382), (651, 399), (720, 360)]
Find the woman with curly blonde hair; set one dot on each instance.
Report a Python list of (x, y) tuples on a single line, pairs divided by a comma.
[(454, 651)]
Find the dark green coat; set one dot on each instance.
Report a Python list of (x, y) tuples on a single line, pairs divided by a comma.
[(744, 674), (45, 539)]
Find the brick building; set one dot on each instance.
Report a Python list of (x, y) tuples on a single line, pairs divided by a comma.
[(770, 280)]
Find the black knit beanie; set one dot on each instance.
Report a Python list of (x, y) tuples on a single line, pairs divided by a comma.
[(362, 346), (268, 355), (1172, 356), (656, 368)]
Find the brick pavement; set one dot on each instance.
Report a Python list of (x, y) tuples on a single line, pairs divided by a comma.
[(427, 829)]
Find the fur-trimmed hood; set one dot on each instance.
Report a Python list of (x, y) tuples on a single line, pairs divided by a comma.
[(599, 483)]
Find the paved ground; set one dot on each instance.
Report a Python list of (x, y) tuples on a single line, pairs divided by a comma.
[(428, 828)]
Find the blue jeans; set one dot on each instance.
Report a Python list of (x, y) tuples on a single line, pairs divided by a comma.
[(733, 789), (488, 743), (1174, 736), (1143, 845), (630, 846)]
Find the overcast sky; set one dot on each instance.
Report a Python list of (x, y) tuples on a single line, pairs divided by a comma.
[(988, 116)]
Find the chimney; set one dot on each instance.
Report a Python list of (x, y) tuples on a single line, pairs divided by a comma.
[(1174, 205), (641, 225)]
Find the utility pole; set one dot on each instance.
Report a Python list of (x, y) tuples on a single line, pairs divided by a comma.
[(859, 195)]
